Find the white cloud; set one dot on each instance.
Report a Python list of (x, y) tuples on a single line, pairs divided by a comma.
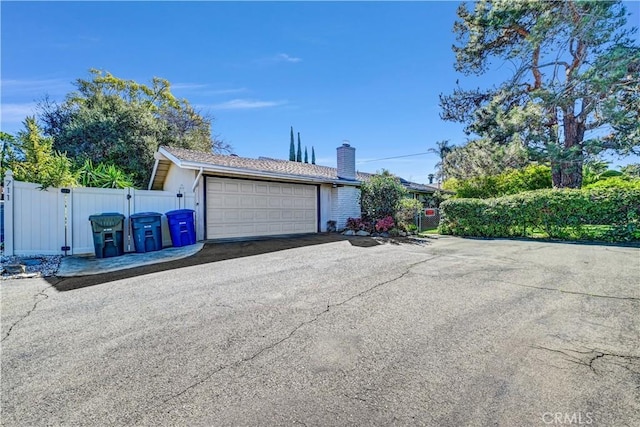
[(38, 87), (203, 89), (277, 59), (246, 104), (16, 113), (224, 91), (188, 86), (287, 58)]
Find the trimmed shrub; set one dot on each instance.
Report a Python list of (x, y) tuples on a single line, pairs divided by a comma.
[(610, 214), (407, 211), (532, 177), (616, 182), (380, 195)]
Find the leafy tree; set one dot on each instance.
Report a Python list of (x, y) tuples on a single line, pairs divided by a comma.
[(532, 177), (575, 91), (292, 148), (7, 156), (33, 158), (631, 170), (592, 170), (380, 195), (483, 158), (121, 122), (313, 156), (433, 200), (306, 156), (299, 152)]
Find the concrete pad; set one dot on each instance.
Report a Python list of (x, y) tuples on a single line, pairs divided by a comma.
[(83, 265)]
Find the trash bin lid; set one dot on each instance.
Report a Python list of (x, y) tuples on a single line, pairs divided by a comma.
[(180, 212), (107, 219), (144, 214), (106, 215)]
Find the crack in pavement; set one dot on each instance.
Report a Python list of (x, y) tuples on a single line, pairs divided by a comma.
[(571, 292), (35, 305), (593, 353), (285, 338)]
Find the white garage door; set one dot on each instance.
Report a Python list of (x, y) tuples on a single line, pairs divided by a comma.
[(244, 208)]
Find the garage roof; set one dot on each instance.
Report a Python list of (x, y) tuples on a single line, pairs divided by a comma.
[(232, 165)]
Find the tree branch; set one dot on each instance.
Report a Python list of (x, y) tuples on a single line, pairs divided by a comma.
[(537, 75)]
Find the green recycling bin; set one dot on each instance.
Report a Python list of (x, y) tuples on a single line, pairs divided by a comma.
[(147, 231), (107, 234)]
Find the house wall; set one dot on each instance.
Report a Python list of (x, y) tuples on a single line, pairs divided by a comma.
[(326, 211), (181, 180), (345, 203), (178, 179)]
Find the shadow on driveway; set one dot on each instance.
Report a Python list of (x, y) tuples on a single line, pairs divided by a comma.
[(212, 252)]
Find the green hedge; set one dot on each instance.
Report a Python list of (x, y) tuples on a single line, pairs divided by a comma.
[(611, 214)]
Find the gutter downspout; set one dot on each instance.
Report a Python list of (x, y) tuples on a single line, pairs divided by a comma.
[(153, 174), (195, 183)]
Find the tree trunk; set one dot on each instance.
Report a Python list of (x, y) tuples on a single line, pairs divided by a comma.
[(573, 157), (571, 174), (556, 174)]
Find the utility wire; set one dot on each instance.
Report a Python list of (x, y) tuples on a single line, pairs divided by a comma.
[(396, 157)]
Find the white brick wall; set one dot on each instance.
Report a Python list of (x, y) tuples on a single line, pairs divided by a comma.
[(345, 203)]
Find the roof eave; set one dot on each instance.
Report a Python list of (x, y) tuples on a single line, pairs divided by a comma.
[(245, 172)]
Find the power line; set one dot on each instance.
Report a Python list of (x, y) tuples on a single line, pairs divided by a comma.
[(396, 157)]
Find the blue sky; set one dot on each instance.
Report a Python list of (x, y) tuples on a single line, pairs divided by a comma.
[(365, 72)]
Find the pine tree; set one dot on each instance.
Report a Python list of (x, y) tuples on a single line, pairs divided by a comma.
[(574, 89), (306, 156), (299, 154), (313, 156), (292, 148)]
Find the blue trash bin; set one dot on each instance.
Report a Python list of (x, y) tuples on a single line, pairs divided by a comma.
[(182, 227), (147, 231)]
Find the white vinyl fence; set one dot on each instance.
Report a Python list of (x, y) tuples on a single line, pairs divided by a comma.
[(56, 220)]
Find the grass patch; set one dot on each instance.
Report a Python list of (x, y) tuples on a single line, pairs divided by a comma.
[(428, 231)]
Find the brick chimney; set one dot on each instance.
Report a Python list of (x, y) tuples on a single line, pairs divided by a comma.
[(346, 161)]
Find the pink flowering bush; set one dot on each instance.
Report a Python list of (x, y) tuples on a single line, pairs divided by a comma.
[(384, 224), (357, 224)]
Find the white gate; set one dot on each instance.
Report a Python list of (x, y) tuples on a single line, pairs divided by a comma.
[(56, 220)]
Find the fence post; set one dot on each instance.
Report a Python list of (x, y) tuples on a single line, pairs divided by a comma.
[(65, 200), (130, 198), (8, 213)]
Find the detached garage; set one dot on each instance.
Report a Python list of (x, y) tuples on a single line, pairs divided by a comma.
[(238, 197), (239, 208)]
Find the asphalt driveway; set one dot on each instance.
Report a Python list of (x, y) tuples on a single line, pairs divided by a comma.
[(453, 332)]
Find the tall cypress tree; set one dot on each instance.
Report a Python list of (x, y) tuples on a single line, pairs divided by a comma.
[(299, 154), (306, 156), (313, 156), (292, 148)]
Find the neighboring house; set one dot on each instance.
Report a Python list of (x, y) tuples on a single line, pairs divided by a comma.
[(238, 197)]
